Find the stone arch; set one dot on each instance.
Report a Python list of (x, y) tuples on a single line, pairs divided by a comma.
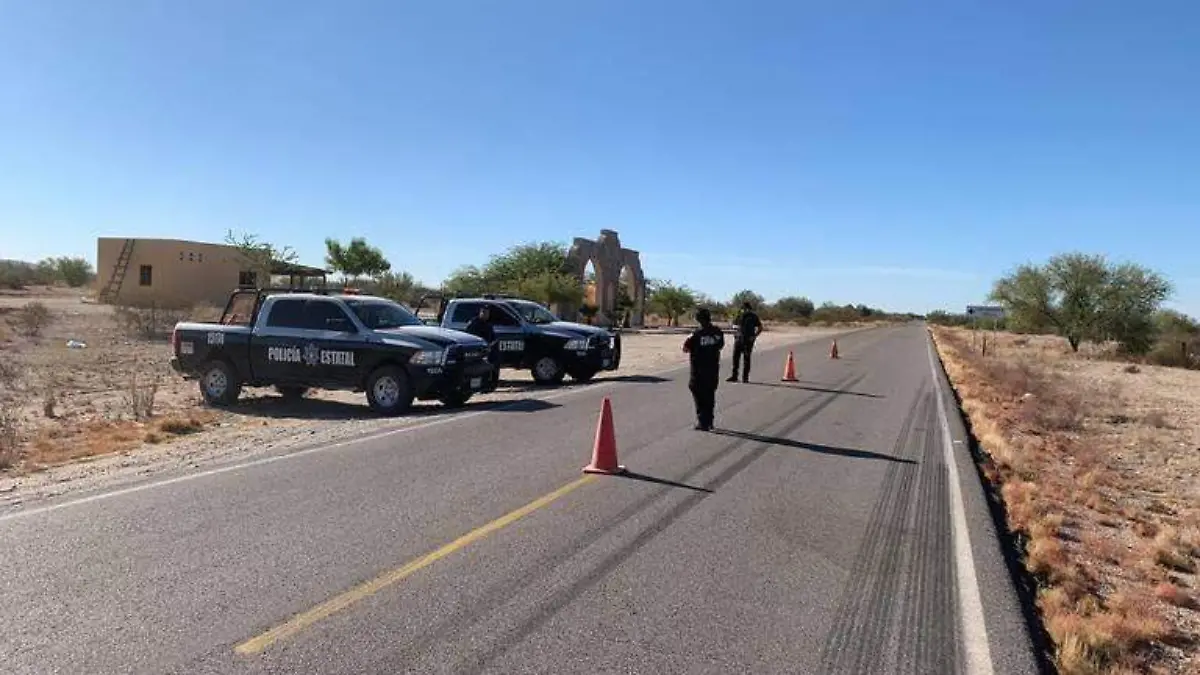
[(631, 263), (610, 259)]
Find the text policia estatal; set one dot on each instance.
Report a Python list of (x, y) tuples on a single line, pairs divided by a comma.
[(310, 355)]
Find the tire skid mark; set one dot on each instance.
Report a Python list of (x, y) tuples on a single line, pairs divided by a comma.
[(909, 645), (939, 616), (856, 643)]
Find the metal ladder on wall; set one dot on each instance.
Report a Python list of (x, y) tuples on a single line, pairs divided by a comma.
[(118, 274)]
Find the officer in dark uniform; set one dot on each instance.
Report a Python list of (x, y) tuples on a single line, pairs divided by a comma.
[(746, 327), (481, 326), (704, 347)]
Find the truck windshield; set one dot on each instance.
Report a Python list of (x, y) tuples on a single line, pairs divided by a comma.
[(378, 315), (533, 312)]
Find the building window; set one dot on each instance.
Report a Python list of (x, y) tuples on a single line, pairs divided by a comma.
[(191, 256), (181, 256), (145, 275), (199, 257), (247, 278)]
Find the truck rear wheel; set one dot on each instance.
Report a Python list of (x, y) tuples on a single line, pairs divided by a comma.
[(388, 391), (219, 384)]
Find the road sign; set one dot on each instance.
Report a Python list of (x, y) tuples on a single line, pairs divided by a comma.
[(985, 312)]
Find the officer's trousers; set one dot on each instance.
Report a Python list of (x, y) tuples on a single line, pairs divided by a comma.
[(704, 395), (741, 351)]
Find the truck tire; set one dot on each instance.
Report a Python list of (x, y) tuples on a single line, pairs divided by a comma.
[(547, 370), (219, 383), (291, 392), (388, 391)]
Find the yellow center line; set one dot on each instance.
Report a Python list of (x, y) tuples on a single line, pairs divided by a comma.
[(365, 590)]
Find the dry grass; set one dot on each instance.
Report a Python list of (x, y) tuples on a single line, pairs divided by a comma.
[(1097, 465), (61, 444)]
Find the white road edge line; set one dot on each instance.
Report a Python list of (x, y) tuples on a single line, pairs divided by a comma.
[(33, 511), (970, 603)]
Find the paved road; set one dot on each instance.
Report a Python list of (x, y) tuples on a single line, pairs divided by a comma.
[(813, 533)]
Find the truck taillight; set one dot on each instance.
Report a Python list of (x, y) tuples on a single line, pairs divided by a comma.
[(175, 340)]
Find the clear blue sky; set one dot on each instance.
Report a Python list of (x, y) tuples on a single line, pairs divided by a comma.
[(849, 151)]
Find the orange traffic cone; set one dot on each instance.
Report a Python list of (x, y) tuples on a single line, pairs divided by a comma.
[(833, 353), (604, 454), (789, 369)]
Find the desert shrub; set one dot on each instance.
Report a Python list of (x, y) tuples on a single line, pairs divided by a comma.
[(10, 435), (149, 323), (139, 395), (32, 319)]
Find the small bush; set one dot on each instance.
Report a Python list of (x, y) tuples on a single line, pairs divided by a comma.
[(148, 323), (10, 436), (139, 396), (33, 318), (180, 426)]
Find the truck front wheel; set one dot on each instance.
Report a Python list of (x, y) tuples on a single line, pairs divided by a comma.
[(219, 384), (547, 370), (388, 391)]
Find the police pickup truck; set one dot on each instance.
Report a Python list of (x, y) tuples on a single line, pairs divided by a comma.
[(300, 340), (529, 336)]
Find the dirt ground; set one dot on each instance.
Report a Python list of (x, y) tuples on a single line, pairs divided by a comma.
[(111, 411), (1098, 463)]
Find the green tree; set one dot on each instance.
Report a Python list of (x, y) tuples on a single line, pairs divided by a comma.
[(398, 286), (355, 260), (526, 260), (466, 281), (793, 307), (538, 271), (749, 296), (1084, 297), (671, 300), (74, 271), (258, 256), (548, 288)]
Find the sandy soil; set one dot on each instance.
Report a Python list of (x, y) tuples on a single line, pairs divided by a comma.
[(80, 413), (1098, 464)]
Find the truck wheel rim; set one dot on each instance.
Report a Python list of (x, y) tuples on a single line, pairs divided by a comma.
[(547, 368), (387, 391), (215, 382)]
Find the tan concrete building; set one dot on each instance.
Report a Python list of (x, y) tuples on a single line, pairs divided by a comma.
[(176, 273)]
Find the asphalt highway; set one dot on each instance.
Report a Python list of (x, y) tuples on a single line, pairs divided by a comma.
[(819, 529)]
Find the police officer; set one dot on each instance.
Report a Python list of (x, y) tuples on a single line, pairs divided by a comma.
[(704, 347), (481, 326), (746, 327)]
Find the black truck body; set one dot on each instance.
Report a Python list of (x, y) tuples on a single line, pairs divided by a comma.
[(295, 341), (529, 336)]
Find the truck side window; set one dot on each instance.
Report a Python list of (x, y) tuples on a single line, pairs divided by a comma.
[(464, 312), (325, 315), (286, 314), (502, 316)]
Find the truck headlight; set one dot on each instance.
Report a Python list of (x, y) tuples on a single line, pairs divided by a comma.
[(429, 357), (576, 345)]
